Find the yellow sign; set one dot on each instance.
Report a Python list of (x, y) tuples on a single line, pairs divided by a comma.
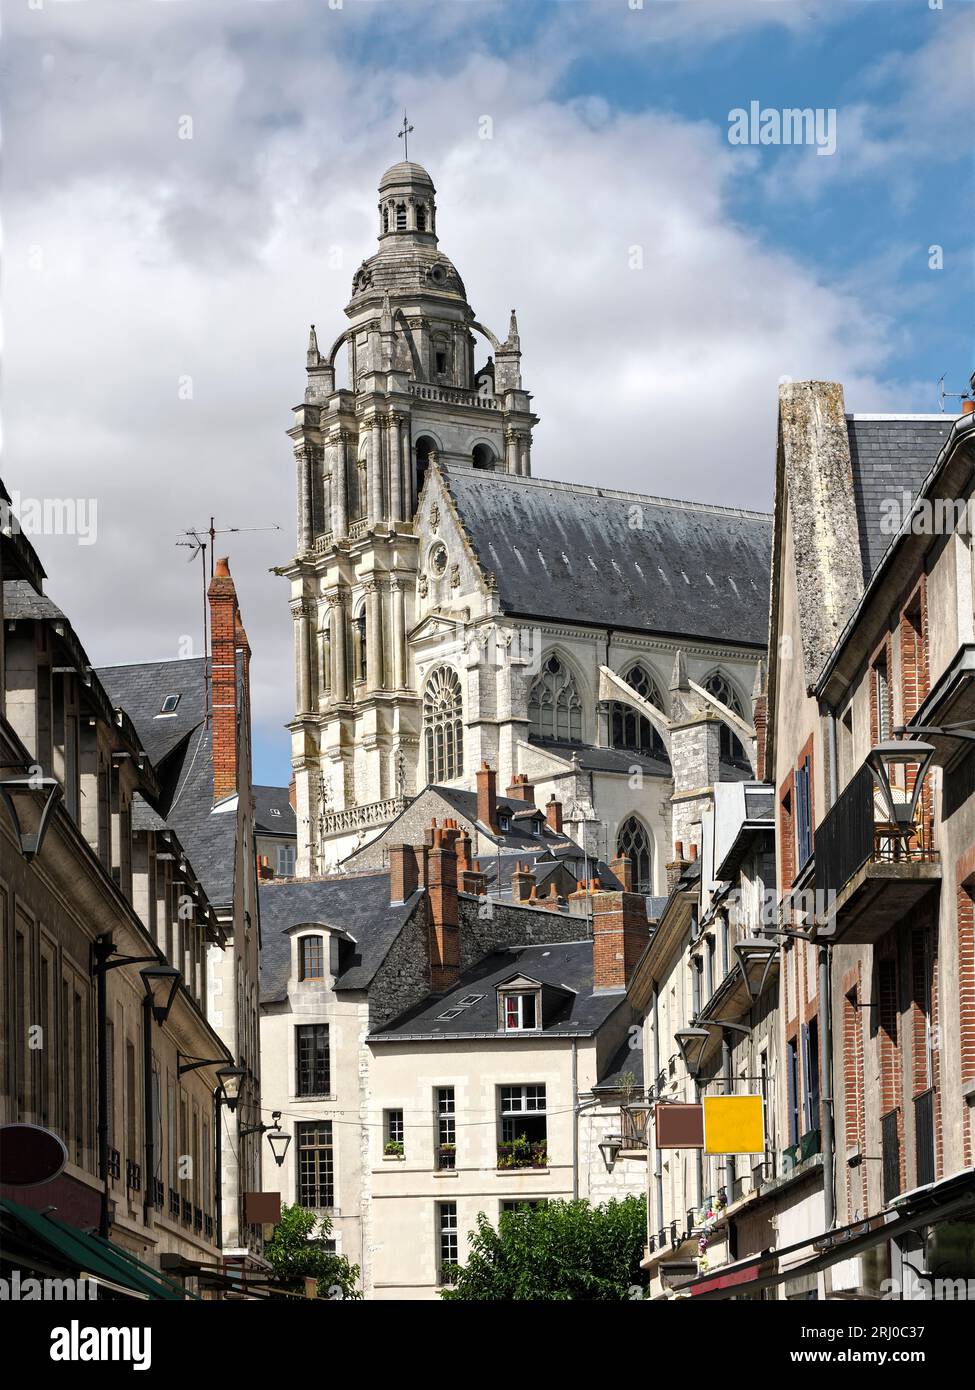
[(733, 1125)]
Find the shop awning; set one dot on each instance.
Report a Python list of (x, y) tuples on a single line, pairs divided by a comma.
[(89, 1254)]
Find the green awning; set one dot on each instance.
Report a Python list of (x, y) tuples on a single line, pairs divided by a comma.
[(93, 1255)]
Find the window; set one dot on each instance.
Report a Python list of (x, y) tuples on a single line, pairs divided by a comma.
[(312, 1056), (131, 1104), (285, 861), (275, 811), (311, 951), (385, 219), (448, 1248), (168, 705), (523, 1114), (554, 707), (792, 1082), (421, 218), (401, 217), (522, 1204), (440, 362), (633, 841), (519, 1012), (882, 697), (446, 1127), (811, 1041), (393, 1130), (316, 1168), (632, 730), (721, 688), (359, 645), (443, 720)]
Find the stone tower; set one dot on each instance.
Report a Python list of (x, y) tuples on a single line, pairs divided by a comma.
[(415, 392)]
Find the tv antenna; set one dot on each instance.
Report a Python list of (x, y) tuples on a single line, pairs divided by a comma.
[(944, 395), (194, 541)]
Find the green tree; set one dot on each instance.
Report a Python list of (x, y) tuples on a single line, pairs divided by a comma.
[(297, 1252), (564, 1250)]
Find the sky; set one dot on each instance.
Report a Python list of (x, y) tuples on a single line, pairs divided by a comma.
[(187, 184)]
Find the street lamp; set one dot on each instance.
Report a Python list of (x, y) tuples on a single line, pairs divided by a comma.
[(161, 982), (755, 956), (692, 1042), (230, 1079), (610, 1148), (882, 760), (31, 800), (276, 1137)]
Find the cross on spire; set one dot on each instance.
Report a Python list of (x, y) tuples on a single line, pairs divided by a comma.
[(404, 135)]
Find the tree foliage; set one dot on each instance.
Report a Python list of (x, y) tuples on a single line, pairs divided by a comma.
[(561, 1251), (297, 1252)]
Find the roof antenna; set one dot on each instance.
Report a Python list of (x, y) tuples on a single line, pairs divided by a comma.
[(944, 395)]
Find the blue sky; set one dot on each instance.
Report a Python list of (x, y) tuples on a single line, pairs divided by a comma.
[(137, 260)]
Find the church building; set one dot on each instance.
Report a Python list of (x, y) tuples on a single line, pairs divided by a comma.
[(453, 613)]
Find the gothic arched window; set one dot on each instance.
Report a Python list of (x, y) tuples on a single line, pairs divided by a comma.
[(632, 730), (718, 685), (634, 842), (421, 218), (401, 217), (443, 725), (385, 219), (554, 707)]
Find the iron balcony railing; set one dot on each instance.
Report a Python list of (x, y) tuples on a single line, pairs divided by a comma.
[(114, 1163), (890, 1149), (924, 1136), (853, 833), (133, 1175)]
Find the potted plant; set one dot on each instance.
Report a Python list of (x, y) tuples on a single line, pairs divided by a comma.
[(448, 1154), (394, 1148)]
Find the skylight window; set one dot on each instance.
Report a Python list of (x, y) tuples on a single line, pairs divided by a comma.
[(168, 705), (275, 811)]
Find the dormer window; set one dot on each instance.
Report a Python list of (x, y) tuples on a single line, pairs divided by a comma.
[(504, 821), (168, 705), (311, 958), (519, 1011)]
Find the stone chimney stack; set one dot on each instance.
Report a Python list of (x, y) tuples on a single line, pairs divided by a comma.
[(676, 866), (814, 457), (227, 637), (760, 718), (620, 932), (623, 869), (487, 797), (444, 923), (522, 883)]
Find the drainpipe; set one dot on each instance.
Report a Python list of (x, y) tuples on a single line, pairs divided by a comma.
[(658, 1167), (729, 1083), (826, 1021), (575, 1120)]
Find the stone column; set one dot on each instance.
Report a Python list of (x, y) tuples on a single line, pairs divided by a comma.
[(299, 613), (336, 618), (395, 468), (376, 473), (374, 636), (399, 633), (303, 464), (325, 656), (340, 489), (525, 467), (511, 451), (406, 464)]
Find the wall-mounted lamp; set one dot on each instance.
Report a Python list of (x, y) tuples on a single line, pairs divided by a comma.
[(31, 800)]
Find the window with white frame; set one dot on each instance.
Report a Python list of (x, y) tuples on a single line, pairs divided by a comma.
[(311, 958), (316, 1166), (519, 1010), (286, 858), (393, 1130), (448, 1247), (446, 1127), (522, 1114)]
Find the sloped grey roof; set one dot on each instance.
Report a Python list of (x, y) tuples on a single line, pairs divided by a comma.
[(22, 600), (592, 759), (618, 559), (356, 903), (140, 688), (890, 457), (267, 800), (626, 1061), (567, 966)]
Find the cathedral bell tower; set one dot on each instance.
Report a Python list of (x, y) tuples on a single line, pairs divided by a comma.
[(414, 392)]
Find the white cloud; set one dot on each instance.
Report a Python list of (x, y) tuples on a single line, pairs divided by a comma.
[(165, 259)]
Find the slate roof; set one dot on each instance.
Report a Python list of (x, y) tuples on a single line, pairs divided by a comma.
[(267, 800), (356, 903), (594, 759), (563, 551), (140, 688), (180, 747), (890, 456), (567, 966), (22, 600), (626, 1061)]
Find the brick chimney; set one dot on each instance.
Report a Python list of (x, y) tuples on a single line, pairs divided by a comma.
[(620, 933), (676, 866), (227, 637), (444, 925), (487, 797), (623, 869), (522, 883), (553, 815), (472, 880), (521, 789), (579, 900), (404, 873)]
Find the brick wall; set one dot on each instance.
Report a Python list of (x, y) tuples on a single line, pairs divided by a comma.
[(965, 908), (224, 623), (853, 1097), (888, 1040)]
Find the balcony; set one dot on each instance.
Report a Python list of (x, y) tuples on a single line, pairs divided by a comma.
[(362, 817), (133, 1175), (796, 1154), (869, 873), (114, 1164)]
